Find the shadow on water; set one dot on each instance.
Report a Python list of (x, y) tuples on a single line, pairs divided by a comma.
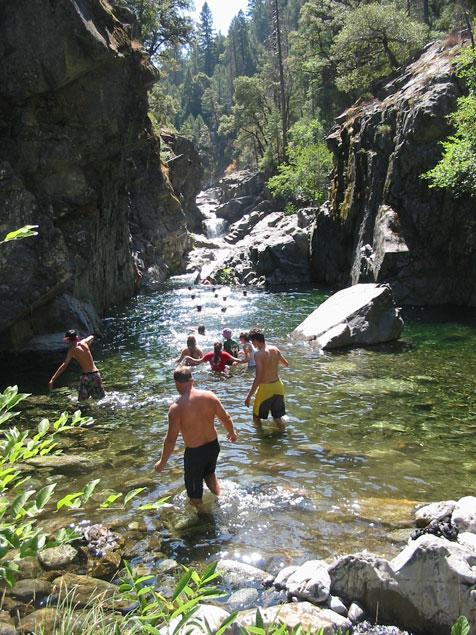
[(369, 433)]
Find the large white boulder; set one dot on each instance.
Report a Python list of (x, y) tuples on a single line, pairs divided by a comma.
[(464, 514), (359, 315), (423, 589)]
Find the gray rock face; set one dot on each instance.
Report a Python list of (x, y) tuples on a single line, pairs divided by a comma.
[(424, 589), (310, 617), (242, 183), (382, 223), (360, 315), (78, 157)]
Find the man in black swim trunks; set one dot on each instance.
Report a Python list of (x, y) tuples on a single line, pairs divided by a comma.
[(193, 416)]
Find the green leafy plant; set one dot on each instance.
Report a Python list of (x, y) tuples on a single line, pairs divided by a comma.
[(19, 234), (154, 610), (461, 626), (225, 276), (457, 169)]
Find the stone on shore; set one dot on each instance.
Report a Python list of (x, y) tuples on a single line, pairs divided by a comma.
[(89, 590), (310, 617), (464, 514), (237, 575), (423, 589), (355, 613), (34, 589), (434, 511), (7, 629), (243, 599), (57, 557), (360, 315), (40, 621), (206, 619), (310, 582)]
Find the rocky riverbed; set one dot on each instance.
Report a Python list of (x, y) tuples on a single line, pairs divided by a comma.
[(424, 589)]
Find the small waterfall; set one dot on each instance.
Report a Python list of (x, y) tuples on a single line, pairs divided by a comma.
[(214, 226), (208, 203)]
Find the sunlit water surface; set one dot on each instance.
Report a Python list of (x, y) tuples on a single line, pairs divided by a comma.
[(370, 433)]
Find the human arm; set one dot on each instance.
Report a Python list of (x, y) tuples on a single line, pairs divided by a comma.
[(183, 354), (226, 420), (60, 370), (193, 362), (282, 360), (88, 340), (170, 439), (257, 380)]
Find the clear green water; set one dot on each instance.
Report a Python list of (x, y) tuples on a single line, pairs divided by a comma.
[(369, 433)]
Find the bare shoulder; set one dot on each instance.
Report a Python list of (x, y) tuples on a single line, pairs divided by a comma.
[(206, 394)]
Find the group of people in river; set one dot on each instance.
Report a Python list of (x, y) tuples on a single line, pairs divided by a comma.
[(193, 414)]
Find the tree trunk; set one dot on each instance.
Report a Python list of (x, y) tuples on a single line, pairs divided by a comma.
[(426, 12), (389, 53), (282, 87)]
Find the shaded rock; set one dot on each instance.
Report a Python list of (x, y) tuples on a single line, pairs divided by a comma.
[(6, 628), (28, 568), (242, 600), (57, 557), (434, 511), (87, 590), (360, 315), (41, 621), (464, 514), (206, 618), (104, 566), (310, 581), (31, 589), (424, 589), (236, 575), (271, 597), (68, 464), (382, 222), (305, 614)]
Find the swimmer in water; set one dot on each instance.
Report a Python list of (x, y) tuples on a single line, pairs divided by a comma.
[(270, 389), (191, 350), (193, 416), (90, 382), (218, 360)]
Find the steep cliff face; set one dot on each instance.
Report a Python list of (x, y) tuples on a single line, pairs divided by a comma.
[(78, 158), (382, 223)]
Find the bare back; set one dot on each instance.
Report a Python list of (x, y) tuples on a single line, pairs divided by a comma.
[(268, 360), (82, 355), (194, 413)]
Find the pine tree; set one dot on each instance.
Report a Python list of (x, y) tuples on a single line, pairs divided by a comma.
[(206, 40)]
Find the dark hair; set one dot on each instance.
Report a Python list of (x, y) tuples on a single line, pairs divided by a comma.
[(191, 341), (201, 329), (216, 352), (245, 336), (71, 334), (256, 335), (183, 374)]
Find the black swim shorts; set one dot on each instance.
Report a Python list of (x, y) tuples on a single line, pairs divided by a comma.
[(198, 463)]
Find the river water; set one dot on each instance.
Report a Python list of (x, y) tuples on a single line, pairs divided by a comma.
[(370, 432)]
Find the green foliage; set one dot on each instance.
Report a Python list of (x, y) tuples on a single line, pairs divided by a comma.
[(375, 40), (154, 610), (303, 180), (461, 626), (225, 276), (457, 169), (20, 507), (18, 234)]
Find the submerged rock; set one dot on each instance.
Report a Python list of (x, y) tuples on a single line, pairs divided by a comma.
[(360, 315)]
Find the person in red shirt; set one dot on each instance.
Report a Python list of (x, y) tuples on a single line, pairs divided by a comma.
[(218, 359)]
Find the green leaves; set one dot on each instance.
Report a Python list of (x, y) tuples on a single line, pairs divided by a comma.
[(461, 626), (18, 234)]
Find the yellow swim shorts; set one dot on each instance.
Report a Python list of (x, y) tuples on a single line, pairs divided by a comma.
[(269, 397)]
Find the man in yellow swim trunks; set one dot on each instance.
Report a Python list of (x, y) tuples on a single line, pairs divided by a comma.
[(270, 395)]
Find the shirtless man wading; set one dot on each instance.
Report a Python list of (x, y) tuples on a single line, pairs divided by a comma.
[(193, 416), (270, 395), (90, 384)]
